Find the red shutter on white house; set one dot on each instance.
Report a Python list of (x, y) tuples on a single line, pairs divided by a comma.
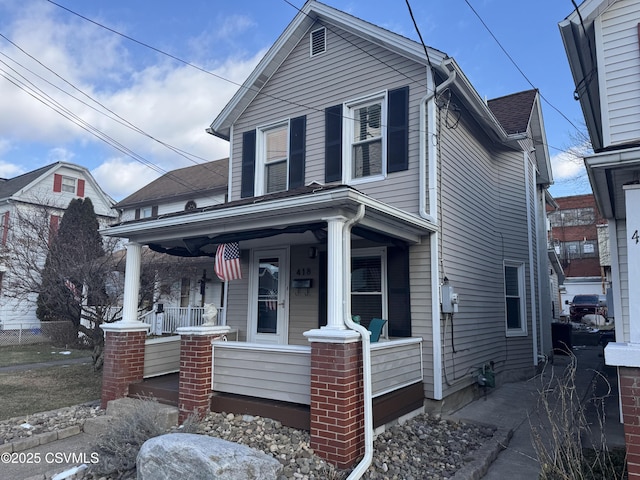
[(5, 228), (57, 182), (54, 221), (80, 189)]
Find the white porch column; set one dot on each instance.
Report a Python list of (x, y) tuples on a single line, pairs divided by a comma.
[(335, 275), (131, 283), (619, 353), (335, 331)]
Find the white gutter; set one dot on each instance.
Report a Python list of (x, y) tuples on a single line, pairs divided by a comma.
[(429, 153), (532, 286), (359, 469)]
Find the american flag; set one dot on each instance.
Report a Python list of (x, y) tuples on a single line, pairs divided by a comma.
[(73, 289), (228, 262)]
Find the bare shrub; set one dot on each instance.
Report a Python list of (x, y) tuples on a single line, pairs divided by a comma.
[(118, 447), (60, 334), (558, 429)]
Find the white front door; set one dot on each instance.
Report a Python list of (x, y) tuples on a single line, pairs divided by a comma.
[(269, 305)]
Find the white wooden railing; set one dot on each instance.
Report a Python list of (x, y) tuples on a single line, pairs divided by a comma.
[(173, 318)]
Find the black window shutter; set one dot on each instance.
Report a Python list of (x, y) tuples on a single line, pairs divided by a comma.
[(137, 213), (322, 289), (398, 292), (154, 211), (398, 130), (248, 164), (297, 145), (333, 144)]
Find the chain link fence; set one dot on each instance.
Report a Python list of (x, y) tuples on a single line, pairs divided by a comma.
[(59, 333)]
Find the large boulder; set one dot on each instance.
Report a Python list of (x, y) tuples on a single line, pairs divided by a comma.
[(194, 457)]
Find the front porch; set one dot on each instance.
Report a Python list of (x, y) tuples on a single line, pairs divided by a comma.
[(275, 381)]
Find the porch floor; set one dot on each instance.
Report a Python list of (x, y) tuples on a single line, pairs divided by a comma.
[(163, 388)]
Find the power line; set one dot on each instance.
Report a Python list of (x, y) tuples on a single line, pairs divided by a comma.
[(517, 66)]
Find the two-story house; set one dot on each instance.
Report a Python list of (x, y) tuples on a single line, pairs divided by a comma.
[(366, 181), (31, 206), (601, 41)]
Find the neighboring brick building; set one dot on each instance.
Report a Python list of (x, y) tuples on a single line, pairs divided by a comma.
[(574, 235)]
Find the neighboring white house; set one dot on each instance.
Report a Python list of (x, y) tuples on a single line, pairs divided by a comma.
[(44, 194), (602, 45)]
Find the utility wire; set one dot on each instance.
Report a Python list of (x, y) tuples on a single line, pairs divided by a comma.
[(517, 66)]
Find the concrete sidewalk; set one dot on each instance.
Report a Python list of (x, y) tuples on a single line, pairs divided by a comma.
[(512, 408)]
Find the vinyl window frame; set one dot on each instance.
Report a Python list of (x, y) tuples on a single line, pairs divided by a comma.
[(261, 163), (521, 329), (348, 131)]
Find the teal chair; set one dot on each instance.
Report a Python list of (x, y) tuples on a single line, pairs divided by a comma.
[(375, 327)]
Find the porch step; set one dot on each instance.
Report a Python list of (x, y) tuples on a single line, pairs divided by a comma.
[(166, 416), (164, 389)]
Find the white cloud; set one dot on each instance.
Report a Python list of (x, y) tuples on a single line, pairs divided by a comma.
[(60, 154), (9, 170), (567, 165), (119, 177)]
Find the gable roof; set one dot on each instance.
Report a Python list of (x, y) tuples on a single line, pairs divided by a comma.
[(11, 186), (183, 182), (514, 111), (315, 12)]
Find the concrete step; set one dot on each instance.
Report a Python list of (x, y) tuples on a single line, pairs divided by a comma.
[(166, 415)]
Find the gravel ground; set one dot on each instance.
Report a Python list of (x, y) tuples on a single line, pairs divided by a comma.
[(425, 447)]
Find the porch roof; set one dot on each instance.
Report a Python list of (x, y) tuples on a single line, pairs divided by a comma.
[(196, 232)]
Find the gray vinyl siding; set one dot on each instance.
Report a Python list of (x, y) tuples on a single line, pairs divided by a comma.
[(238, 299), (301, 86), (623, 262), (618, 51), (161, 356), (421, 317), (483, 222), (303, 304)]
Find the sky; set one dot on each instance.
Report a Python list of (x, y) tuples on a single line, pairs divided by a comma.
[(145, 95)]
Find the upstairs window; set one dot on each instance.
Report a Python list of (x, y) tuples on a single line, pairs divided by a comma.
[(63, 183), (273, 159), (368, 138), (364, 130), (146, 212)]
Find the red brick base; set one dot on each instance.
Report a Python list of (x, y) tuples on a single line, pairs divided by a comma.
[(123, 363), (337, 412), (195, 375), (630, 395)]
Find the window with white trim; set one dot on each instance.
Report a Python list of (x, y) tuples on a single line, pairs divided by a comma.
[(68, 184), (515, 304), (365, 145), (272, 162), (369, 284)]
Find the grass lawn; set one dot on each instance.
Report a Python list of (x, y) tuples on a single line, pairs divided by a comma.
[(43, 389), (21, 354)]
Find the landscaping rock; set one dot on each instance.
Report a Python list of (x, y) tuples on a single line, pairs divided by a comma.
[(193, 457)]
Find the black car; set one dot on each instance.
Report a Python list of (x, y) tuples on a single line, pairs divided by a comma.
[(582, 305)]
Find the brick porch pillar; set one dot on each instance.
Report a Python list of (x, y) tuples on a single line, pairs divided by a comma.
[(196, 357), (123, 359), (337, 408), (124, 340), (629, 379)]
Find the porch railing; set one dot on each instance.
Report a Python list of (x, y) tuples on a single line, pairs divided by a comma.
[(176, 317), (283, 372)]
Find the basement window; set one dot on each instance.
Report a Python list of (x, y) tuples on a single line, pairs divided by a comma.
[(318, 41)]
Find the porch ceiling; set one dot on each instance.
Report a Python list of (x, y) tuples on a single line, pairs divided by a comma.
[(300, 215)]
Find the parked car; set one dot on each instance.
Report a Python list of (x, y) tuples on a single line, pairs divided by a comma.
[(582, 305)]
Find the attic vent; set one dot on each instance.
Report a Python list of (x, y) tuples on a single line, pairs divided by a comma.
[(318, 41)]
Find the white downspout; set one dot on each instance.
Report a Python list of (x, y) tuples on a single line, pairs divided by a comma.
[(428, 153), (363, 465), (532, 286)]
